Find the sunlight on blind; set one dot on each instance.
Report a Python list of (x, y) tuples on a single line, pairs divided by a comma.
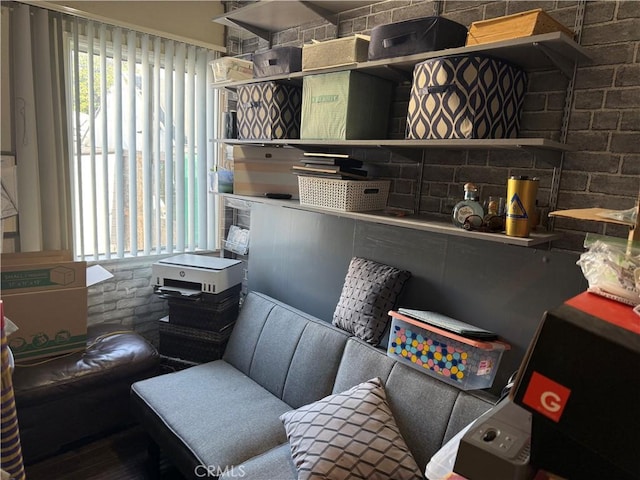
[(141, 110)]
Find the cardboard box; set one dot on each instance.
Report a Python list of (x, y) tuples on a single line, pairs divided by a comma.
[(39, 271), (49, 322), (260, 170), (345, 105), (45, 295), (333, 53), (523, 24)]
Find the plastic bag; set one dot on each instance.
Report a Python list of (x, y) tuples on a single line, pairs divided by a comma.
[(627, 216), (610, 266)]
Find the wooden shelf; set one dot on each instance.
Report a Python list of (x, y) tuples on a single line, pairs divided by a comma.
[(414, 222)]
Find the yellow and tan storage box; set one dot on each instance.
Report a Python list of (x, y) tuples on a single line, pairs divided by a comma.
[(261, 170), (231, 69), (45, 295), (334, 53), (523, 24)]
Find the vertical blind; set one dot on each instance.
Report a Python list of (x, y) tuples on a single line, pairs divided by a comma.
[(143, 133)]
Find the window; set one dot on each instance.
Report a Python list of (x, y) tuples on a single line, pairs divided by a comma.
[(140, 112)]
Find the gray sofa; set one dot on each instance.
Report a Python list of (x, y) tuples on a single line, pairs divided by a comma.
[(222, 417)]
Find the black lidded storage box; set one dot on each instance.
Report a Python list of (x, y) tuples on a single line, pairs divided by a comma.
[(269, 110), (415, 36), (465, 96), (277, 61)]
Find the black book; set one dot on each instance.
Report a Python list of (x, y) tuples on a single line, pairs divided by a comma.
[(330, 169)]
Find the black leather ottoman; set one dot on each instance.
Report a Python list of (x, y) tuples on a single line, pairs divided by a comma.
[(70, 398)]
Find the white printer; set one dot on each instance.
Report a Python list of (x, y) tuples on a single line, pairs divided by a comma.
[(189, 276)]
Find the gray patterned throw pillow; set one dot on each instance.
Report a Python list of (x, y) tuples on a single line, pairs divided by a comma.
[(349, 435), (370, 290)]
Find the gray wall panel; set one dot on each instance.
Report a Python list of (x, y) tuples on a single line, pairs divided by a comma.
[(301, 258)]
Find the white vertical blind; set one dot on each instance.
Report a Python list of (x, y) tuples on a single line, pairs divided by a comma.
[(169, 135), (132, 149), (146, 145), (191, 143), (119, 147), (157, 143), (106, 196), (143, 145)]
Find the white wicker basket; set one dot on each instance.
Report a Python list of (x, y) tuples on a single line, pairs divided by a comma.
[(343, 195)]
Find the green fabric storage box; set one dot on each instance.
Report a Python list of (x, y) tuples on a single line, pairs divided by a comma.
[(346, 105)]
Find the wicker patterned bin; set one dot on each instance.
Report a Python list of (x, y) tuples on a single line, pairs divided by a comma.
[(343, 195), (192, 344)]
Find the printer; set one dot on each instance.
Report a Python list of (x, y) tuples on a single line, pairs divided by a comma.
[(189, 276)]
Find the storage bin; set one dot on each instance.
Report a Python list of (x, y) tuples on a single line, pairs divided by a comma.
[(523, 24), (345, 105), (333, 53), (415, 36), (466, 363), (465, 96), (269, 110), (214, 317), (192, 344), (277, 61), (231, 69), (343, 195)]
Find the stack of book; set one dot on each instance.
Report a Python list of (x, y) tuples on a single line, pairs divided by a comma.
[(330, 165)]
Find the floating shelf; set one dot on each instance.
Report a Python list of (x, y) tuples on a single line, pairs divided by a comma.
[(466, 144), (414, 222), (538, 52), (267, 16)]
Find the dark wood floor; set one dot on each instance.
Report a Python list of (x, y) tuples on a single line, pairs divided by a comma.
[(120, 456)]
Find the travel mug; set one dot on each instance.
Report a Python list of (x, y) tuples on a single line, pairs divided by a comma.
[(521, 205)]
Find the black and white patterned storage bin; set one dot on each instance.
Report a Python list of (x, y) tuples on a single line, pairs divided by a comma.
[(269, 110), (465, 96)]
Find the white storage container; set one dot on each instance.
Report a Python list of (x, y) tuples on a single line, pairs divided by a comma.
[(343, 195)]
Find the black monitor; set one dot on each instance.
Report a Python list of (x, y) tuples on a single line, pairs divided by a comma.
[(580, 380)]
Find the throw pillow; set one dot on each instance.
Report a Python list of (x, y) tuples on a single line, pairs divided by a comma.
[(349, 435), (370, 290)]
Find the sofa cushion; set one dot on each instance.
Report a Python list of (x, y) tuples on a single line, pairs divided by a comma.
[(349, 435), (220, 415), (370, 290), (279, 347), (271, 465)]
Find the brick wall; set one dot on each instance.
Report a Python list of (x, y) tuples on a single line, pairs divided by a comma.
[(127, 299), (603, 171)]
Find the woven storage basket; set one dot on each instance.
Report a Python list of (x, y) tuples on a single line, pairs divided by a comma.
[(192, 344), (343, 195)]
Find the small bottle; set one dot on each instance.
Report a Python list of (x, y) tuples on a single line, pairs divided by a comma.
[(468, 206)]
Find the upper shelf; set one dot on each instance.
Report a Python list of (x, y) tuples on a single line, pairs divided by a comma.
[(548, 50), (267, 16)]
